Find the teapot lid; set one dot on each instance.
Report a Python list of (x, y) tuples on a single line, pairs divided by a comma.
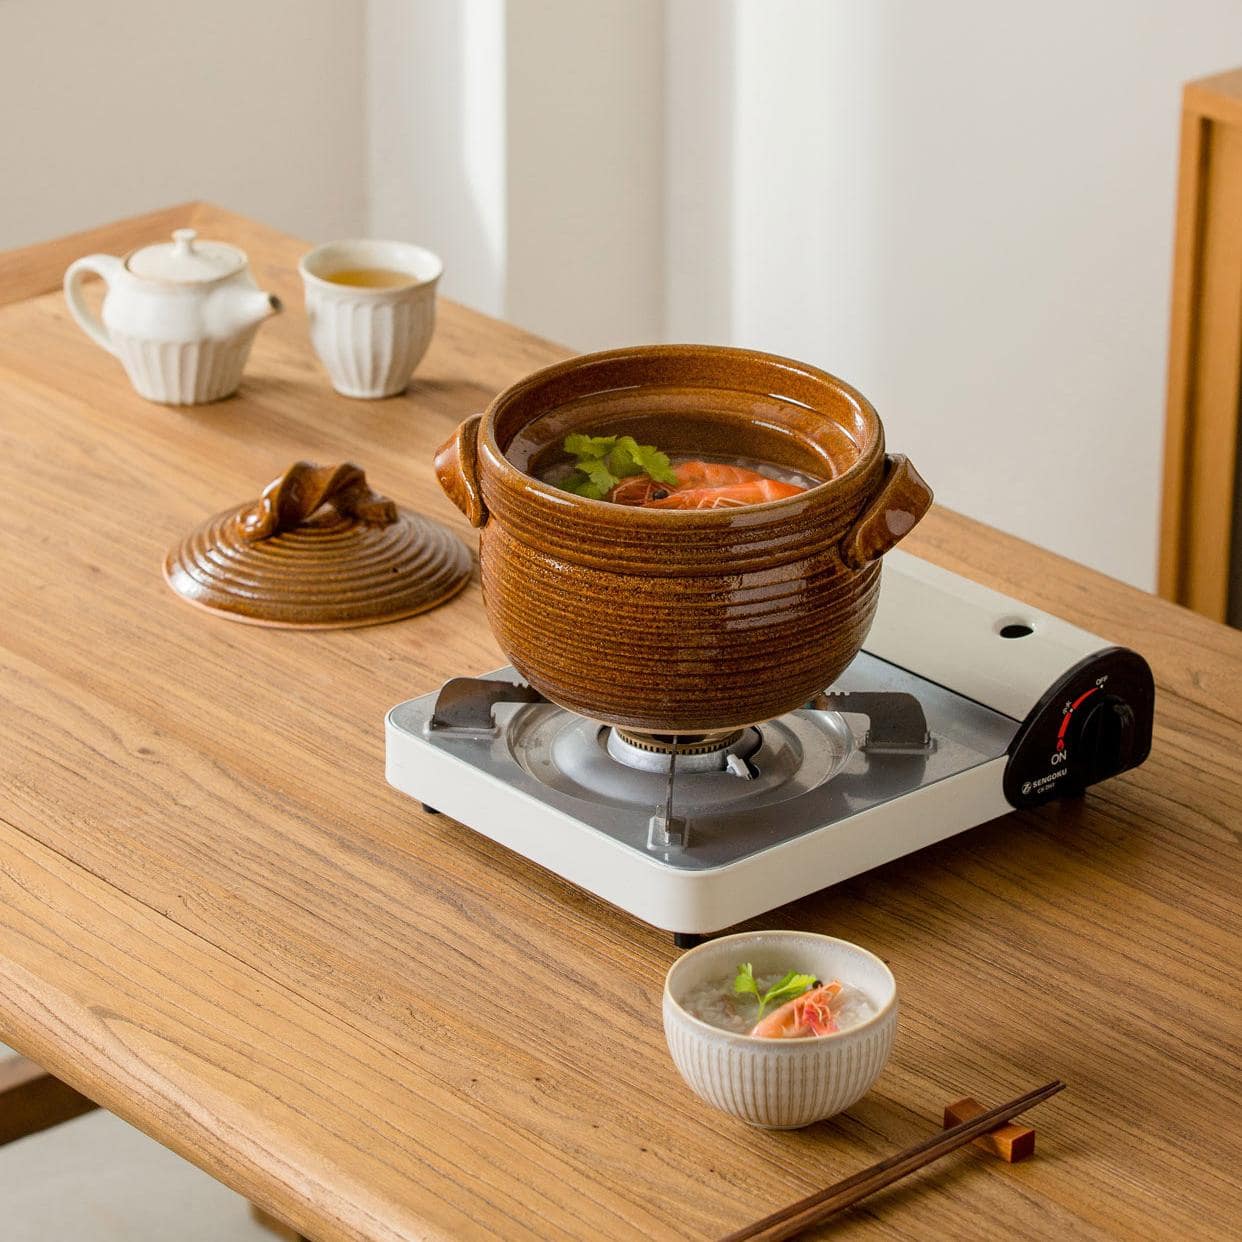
[(186, 260)]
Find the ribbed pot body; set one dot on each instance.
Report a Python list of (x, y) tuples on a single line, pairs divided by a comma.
[(680, 622)]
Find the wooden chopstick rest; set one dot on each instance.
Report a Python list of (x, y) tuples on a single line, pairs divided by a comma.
[(1009, 1141), (794, 1218)]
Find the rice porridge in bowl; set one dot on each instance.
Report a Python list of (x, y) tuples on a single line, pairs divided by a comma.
[(780, 1028), (719, 1003)]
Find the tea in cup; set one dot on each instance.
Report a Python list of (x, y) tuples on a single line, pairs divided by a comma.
[(372, 308)]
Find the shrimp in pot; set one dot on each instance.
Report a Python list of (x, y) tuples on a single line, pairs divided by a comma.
[(713, 474), (702, 485), (638, 489), (729, 497)]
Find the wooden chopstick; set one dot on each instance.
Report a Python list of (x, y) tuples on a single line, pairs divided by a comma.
[(816, 1207)]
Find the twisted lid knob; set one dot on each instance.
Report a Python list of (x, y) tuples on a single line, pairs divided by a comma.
[(291, 500)]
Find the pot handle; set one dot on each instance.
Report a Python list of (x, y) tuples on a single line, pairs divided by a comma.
[(893, 512), (457, 468)]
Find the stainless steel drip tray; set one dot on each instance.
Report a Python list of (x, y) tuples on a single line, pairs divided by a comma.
[(811, 768)]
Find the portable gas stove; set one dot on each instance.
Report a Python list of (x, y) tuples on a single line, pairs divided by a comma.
[(963, 705)]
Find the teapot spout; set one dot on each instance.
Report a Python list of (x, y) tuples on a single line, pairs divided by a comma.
[(234, 309)]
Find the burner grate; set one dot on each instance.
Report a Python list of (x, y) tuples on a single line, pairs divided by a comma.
[(814, 768)]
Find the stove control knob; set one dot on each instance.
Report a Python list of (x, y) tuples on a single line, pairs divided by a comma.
[(1106, 739), (1090, 724)]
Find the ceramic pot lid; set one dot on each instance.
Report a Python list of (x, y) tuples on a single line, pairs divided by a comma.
[(318, 550), (186, 260)]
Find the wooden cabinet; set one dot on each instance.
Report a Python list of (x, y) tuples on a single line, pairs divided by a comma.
[(1201, 525)]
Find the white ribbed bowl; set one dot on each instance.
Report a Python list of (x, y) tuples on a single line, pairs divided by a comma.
[(780, 1083), (370, 340)]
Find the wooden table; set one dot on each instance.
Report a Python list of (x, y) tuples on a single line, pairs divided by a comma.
[(217, 919)]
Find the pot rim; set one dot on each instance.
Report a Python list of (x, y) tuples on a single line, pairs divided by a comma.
[(869, 450)]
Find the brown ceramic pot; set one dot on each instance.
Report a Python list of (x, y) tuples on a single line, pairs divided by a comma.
[(676, 622)]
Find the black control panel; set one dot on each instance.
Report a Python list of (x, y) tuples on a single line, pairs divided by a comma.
[(1092, 724)]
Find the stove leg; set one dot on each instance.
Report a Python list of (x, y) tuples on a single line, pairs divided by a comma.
[(431, 810), (687, 940)]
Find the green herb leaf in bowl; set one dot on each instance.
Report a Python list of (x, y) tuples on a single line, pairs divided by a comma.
[(792, 985)]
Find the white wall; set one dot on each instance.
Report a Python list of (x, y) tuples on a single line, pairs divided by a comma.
[(805, 247), (701, 120), (967, 209), (113, 107), (585, 169), (523, 141), (435, 94)]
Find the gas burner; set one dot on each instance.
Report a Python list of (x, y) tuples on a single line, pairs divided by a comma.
[(572, 756), (653, 752), (945, 720), (682, 743)]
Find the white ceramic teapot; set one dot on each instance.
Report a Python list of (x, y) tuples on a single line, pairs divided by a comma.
[(180, 316)]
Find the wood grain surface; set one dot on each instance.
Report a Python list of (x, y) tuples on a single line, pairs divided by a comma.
[(217, 920)]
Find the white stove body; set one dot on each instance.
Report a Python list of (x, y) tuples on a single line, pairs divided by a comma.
[(933, 623)]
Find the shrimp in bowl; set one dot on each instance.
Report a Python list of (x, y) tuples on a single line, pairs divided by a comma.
[(778, 1005)]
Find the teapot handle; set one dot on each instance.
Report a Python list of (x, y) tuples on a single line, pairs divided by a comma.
[(895, 509), (104, 265)]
